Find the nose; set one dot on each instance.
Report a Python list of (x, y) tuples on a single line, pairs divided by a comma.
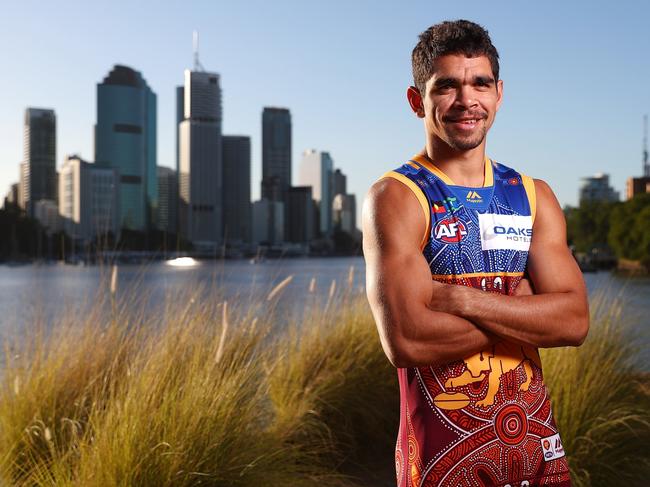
[(465, 98)]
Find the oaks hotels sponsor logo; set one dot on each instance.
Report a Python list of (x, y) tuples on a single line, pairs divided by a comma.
[(505, 231), (552, 447), (450, 230)]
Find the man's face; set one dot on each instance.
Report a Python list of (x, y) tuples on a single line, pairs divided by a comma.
[(461, 100)]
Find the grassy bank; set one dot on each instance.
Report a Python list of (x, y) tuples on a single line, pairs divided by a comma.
[(208, 392)]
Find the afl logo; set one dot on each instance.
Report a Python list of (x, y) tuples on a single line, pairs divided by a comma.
[(450, 230)]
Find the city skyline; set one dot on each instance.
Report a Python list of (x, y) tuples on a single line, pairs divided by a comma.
[(346, 92), (207, 196)]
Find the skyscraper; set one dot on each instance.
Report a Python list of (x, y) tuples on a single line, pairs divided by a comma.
[(180, 116), (344, 208), (597, 188), (88, 199), (276, 153), (301, 215), (11, 200), (316, 170), (38, 180), (125, 140), (339, 183), (200, 160), (268, 222), (237, 188), (167, 199)]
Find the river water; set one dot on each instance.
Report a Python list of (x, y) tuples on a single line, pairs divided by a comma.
[(48, 290)]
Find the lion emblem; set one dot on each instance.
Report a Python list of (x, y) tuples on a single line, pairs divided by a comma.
[(502, 358)]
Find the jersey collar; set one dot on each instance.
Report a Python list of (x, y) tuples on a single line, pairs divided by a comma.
[(488, 176)]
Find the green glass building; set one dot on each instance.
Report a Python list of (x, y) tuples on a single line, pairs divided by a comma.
[(125, 140)]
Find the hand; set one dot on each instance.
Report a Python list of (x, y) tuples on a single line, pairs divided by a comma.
[(524, 288)]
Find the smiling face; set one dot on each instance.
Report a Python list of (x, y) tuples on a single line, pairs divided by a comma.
[(460, 101)]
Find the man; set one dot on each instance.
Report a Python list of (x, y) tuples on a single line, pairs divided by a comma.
[(448, 239)]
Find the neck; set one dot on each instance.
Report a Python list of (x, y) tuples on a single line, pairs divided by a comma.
[(465, 168)]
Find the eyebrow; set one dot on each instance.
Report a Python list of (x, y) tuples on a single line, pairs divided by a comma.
[(440, 82), (444, 82), (488, 80)]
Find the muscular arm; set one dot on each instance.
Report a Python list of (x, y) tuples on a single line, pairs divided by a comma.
[(557, 315), (399, 284)]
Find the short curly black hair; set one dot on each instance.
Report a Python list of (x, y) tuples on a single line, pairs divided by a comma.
[(451, 37)]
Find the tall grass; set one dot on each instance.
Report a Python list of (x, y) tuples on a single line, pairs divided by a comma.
[(331, 371), (601, 399), (209, 392), (177, 398)]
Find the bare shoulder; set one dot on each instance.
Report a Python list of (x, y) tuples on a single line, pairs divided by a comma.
[(550, 218), (386, 191), (550, 262), (388, 195), (543, 190), (391, 212), (547, 202)]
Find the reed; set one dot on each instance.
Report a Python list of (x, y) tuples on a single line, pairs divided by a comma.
[(202, 391), (601, 399)]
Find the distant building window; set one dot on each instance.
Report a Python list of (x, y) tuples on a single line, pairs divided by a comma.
[(130, 179), (127, 128), (203, 208)]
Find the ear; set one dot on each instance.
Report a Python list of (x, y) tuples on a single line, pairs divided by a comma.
[(499, 93), (415, 101)]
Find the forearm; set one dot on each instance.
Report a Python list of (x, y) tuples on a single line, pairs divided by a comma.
[(542, 320), (446, 339), (424, 337)]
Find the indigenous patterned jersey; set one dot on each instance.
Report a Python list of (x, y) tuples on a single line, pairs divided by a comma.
[(485, 420)]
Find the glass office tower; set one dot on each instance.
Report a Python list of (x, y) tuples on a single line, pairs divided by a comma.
[(125, 140)]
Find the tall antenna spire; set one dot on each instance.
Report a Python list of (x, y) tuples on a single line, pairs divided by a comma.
[(195, 47), (646, 166)]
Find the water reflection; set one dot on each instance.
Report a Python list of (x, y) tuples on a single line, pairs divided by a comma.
[(47, 291)]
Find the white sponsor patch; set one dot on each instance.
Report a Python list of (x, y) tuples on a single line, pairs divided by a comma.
[(552, 447), (505, 231)]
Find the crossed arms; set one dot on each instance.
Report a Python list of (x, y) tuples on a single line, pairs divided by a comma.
[(424, 322)]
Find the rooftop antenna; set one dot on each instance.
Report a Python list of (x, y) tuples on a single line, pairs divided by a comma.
[(646, 166), (195, 46)]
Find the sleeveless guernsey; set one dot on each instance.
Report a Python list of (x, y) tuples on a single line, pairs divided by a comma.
[(485, 420)]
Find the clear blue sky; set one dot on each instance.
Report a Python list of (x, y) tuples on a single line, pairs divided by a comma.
[(576, 74)]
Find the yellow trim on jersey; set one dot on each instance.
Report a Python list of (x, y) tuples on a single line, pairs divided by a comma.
[(426, 162), (477, 274), (529, 186), (419, 194), (488, 175)]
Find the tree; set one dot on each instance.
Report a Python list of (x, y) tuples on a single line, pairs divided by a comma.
[(588, 226), (629, 233)]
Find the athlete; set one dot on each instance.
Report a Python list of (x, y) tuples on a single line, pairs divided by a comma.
[(468, 274)]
